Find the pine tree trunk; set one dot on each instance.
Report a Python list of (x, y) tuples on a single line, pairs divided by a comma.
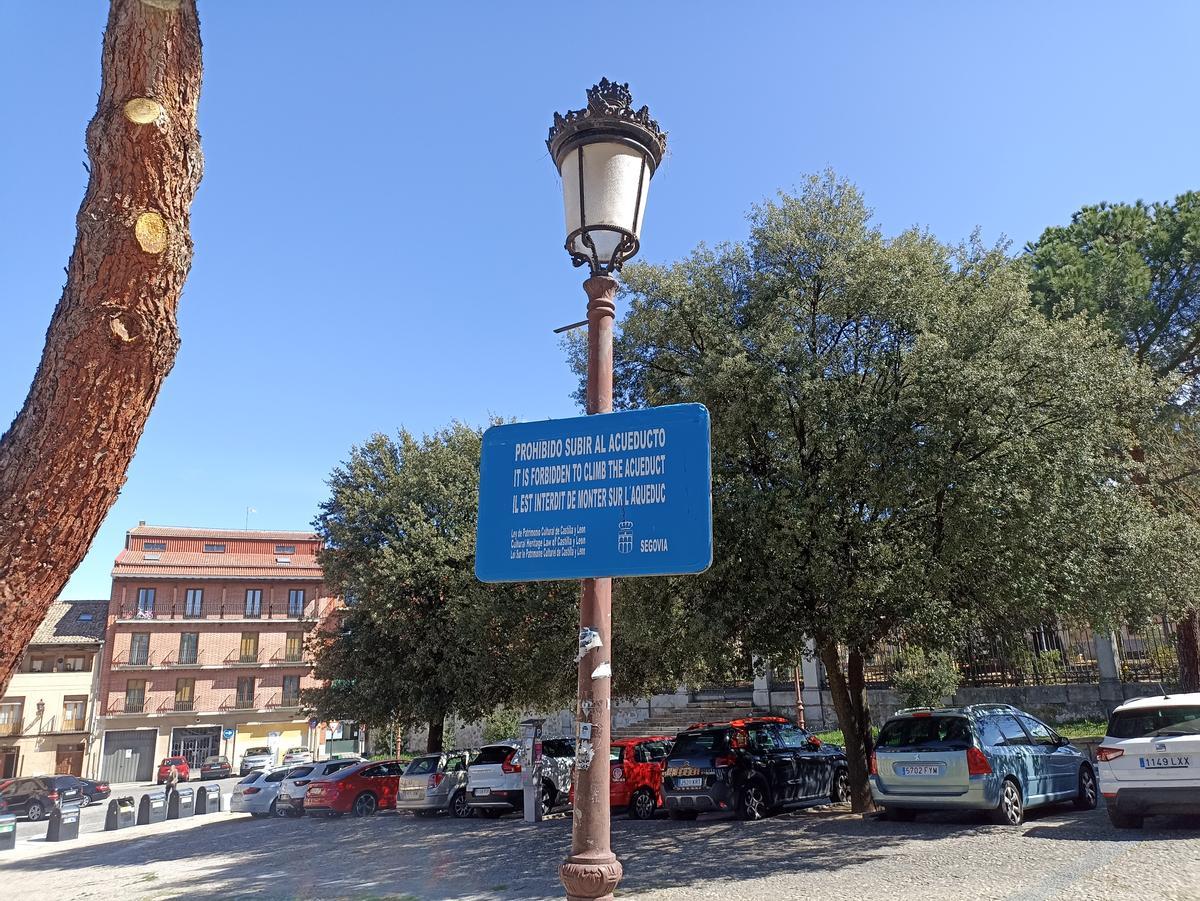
[(849, 692), (113, 337), (1187, 644), (437, 728)]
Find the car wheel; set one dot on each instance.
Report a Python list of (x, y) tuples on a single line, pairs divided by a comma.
[(1124, 820), (365, 805), (642, 805), (34, 811), (752, 802), (459, 808), (683, 814), (1088, 796), (1010, 811), (900, 814), (840, 791), (84, 800)]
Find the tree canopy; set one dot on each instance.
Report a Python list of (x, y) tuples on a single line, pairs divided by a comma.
[(902, 444)]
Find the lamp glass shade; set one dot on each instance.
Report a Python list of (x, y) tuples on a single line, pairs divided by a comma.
[(616, 180)]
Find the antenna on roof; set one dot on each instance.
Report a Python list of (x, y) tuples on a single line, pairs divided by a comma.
[(249, 510)]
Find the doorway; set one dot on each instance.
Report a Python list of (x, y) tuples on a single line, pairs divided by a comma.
[(196, 743), (8, 762), (68, 761)]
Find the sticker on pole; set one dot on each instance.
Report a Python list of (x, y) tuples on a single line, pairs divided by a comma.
[(616, 494)]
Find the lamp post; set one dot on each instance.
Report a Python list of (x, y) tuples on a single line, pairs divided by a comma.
[(606, 153)]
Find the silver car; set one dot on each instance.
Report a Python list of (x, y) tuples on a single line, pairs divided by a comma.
[(257, 794), (295, 785), (436, 782), (494, 785), (297, 756), (257, 758)]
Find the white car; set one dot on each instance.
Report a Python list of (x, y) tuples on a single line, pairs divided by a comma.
[(1149, 760), (494, 785), (294, 756), (295, 785), (257, 794)]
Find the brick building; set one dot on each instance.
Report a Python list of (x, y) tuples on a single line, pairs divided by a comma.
[(206, 650), (48, 713)]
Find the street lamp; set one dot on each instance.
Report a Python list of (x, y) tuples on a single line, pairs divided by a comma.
[(606, 153)]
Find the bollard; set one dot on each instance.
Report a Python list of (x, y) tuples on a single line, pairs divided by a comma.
[(64, 823), (122, 813), (208, 799), (8, 832), (181, 802), (152, 808)]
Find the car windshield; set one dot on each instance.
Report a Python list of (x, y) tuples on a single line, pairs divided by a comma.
[(299, 772), (493, 754), (172, 761), (257, 752), (334, 765), (944, 733), (253, 777), (297, 750), (216, 760), (1143, 722), (423, 766), (701, 744)]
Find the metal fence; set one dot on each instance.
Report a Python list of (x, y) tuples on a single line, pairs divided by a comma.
[(1149, 652)]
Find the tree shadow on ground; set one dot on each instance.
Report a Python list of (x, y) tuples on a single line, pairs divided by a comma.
[(1084, 827)]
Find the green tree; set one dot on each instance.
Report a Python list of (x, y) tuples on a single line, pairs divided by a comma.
[(900, 443), (420, 638), (1136, 268)]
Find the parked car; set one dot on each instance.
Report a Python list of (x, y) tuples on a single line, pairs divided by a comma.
[(435, 782), (35, 796), (295, 785), (257, 793), (361, 789), (216, 767), (181, 767), (750, 767), (990, 757), (294, 756), (635, 775), (1149, 759), (256, 758), (494, 777), (93, 791)]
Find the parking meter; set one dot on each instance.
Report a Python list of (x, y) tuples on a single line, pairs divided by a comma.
[(531, 768)]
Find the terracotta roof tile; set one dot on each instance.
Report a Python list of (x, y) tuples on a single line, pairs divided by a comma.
[(182, 532), (62, 623)]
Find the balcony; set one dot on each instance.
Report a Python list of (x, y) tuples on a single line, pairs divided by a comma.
[(126, 705), (228, 612), (178, 705), (241, 658), (145, 660), (10, 728)]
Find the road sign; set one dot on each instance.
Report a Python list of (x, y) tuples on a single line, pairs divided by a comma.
[(313, 722), (227, 734), (617, 494)]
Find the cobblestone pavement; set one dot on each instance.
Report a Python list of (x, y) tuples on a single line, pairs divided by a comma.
[(822, 853)]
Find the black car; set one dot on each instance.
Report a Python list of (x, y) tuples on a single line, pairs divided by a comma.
[(93, 791), (750, 767), (35, 796), (216, 768)]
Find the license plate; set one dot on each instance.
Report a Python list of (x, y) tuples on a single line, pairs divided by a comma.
[(689, 784), (920, 769), (480, 792), (1165, 763), (283, 797)]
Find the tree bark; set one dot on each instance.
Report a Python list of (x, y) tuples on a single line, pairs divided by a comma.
[(437, 729), (849, 693), (1187, 644), (113, 336)]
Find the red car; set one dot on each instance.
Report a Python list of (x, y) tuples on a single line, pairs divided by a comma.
[(635, 778), (361, 789), (181, 767)]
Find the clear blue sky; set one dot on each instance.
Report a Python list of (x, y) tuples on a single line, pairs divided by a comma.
[(378, 234)]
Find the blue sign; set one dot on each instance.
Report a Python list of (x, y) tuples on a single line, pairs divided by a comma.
[(616, 494), (227, 734)]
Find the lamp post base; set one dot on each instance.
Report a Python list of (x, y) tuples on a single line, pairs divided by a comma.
[(590, 877)]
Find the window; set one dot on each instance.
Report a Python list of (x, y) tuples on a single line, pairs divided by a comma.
[(139, 649), (1001, 730), (296, 603), (293, 649), (74, 711), (1160, 719), (792, 737), (1040, 731), (185, 694), (253, 603), (151, 557), (145, 607), (76, 664), (10, 718), (214, 548), (154, 545), (37, 664), (245, 692), (943, 733), (135, 695), (84, 617), (291, 691), (249, 648), (189, 647), (285, 548), (194, 603)]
